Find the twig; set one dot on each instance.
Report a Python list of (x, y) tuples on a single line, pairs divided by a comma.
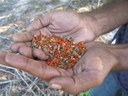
[(24, 81), (8, 72), (98, 3), (7, 67), (47, 89), (8, 81)]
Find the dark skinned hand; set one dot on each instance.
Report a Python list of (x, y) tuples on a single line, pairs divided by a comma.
[(60, 23), (35, 67), (89, 72)]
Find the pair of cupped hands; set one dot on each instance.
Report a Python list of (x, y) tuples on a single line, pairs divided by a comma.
[(89, 71)]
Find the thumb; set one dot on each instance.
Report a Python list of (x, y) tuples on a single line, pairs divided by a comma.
[(39, 23), (65, 83), (74, 84)]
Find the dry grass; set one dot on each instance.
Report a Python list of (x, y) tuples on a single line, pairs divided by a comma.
[(14, 82)]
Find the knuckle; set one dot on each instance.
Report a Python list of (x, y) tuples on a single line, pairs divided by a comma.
[(21, 50), (25, 51), (14, 48), (39, 54)]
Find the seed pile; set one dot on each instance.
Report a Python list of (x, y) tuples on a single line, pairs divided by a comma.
[(63, 53)]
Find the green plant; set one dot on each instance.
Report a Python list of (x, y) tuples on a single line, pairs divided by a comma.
[(84, 93)]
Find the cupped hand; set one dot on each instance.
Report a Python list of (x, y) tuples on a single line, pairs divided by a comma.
[(60, 23), (65, 24), (90, 70)]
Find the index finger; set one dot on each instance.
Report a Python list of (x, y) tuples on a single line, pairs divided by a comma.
[(22, 37), (31, 66), (34, 67), (36, 25)]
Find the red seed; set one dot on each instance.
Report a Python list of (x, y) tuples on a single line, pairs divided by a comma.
[(59, 50)]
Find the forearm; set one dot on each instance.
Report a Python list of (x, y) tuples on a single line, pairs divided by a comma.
[(110, 16), (121, 54)]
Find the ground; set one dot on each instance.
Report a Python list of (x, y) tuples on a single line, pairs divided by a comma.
[(15, 16)]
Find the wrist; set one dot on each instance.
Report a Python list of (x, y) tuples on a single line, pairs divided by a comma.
[(101, 23), (120, 52), (109, 17), (95, 22), (90, 24)]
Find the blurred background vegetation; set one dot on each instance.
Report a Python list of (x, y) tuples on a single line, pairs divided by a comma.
[(15, 16)]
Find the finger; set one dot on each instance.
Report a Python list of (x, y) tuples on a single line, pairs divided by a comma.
[(78, 68), (75, 84), (22, 37), (29, 44), (39, 54), (31, 66), (39, 69), (26, 51), (64, 72), (16, 46), (69, 84), (70, 71), (2, 58), (39, 23)]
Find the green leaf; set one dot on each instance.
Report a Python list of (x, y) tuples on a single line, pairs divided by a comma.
[(84, 93)]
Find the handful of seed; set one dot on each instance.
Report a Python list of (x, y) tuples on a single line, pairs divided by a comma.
[(63, 53)]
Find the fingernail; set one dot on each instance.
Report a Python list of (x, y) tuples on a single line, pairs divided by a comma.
[(55, 86)]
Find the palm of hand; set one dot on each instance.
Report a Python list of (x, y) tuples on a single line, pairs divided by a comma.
[(64, 24), (55, 24), (60, 23), (90, 71)]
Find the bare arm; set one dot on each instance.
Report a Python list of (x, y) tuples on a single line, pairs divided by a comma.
[(109, 17), (121, 53)]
